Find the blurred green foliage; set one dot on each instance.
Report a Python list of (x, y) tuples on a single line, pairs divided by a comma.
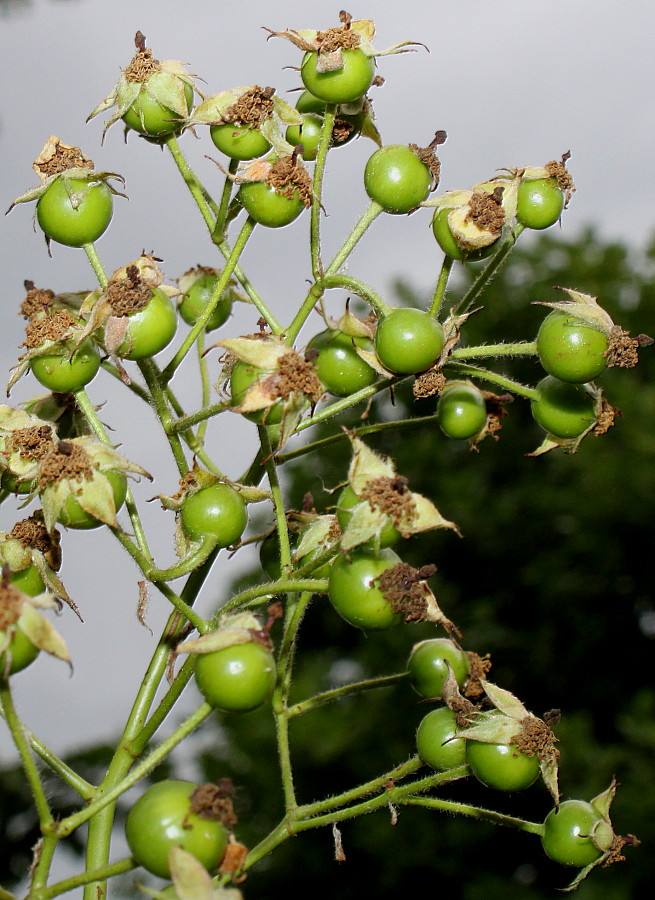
[(553, 577)]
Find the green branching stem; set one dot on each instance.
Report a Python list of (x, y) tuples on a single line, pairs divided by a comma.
[(155, 381), (255, 299), (221, 218), (347, 690), (205, 385), (440, 288), (359, 431), (487, 375), (317, 193), (206, 314), (5, 895), (57, 765), (96, 265), (523, 348), (255, 596), (28, 762), (107, 797), (490, 269), (192, 419), (208, 209), (278, 499), (370, 215), (487, 815), (360, 288), (131, 743), (346, 403), (89, 411), (69, 884)]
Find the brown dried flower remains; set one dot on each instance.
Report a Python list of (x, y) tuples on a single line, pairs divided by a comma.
[(560, 173), (536, 739), (340, 38), (128, 295), (36, 300), (392, 496), (31, 532), (52, 325), (31, 443), (428, 383), (214, 802), (287, 175), (64, 460), (57, 157), (403, 587), (143, 64), (486, 210), (252, 108), (294, 374)]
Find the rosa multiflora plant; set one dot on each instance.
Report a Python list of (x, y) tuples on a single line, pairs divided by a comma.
[(285, 376)]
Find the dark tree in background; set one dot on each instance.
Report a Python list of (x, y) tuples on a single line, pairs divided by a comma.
[(552, 577)]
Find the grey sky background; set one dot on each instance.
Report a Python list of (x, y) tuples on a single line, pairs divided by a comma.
[(512, 82)]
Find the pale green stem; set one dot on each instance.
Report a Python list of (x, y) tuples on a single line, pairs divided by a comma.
[(28, 762), (317, 192), (58, 766), (155, 381), (440, 289), (68, 825), (69, 884), (206, 314), (208, 209), (463, 809), (221, 217), (490, 269), (524, 348), (370, 215), (255, 299), (487, 375), (360, 288), (347, 690), (204, 384), (96, 265)]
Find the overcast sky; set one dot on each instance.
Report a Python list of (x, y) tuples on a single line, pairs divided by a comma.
[(512, 82)]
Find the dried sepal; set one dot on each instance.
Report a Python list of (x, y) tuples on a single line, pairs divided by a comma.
[(605, 415), (351, 34), (232, 629), (191, 880), (385, 497), (59, 160), (162, 81), (23, 440), (81, 463), (53, 331), (19, 610), (317, 533)]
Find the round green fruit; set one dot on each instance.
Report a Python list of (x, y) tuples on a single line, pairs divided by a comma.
[(353, 590), (237, 678), (341, 370), (461, 411), (75, 211), (539, 203), (63, 374), (570, 349), (563, 410), (339, 85), (397, 179), (217, 511), (575, 835), (435, 743), (408, 340), (428, 666), (161, 818)]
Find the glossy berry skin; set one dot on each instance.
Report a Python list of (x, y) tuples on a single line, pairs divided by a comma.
[(62, 374), (461, 411), (308, 134), (73, 515), (161, 819), (217, 511), (29, 581), (396, 178), (150, 329), (446, 240), (539, 203), (341, 370), (239, 141), (355, 595), (434, 740), (237, 678), (21, 651), (195, 300), (341, 85), (428, 669), (149, 118), (502, 766), (563, 410), (242, 377), (268, 207), (567, 834), (408, 341), (77, 225), (388, 536), (308, 103), (571, 350)]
